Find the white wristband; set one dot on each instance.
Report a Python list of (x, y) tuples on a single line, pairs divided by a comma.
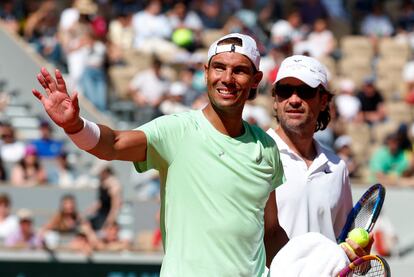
[(88, 137)]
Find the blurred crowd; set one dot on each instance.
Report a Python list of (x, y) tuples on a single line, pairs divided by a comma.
[(142, 59), (67, 229)]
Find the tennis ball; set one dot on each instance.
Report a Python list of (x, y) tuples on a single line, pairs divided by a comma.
[(360, 236), (182, 37)]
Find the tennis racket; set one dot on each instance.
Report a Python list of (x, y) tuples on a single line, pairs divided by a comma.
[(365, 212), (368, 266)]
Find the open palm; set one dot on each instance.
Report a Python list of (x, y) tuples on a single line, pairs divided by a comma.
[(62, 108)]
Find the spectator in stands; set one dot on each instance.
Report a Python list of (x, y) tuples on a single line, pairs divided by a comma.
[(25, 236), (40, 30), (320, 42), (186, 77), (8, 222), (46, 146), (120, 37), (174, 99), (377, 24), (106, 209), (63, 174), (343, 148), (49, 151), (268, 13), (186, 23), (290, 29), (28, 171), (210, 14), (74, 25), (372, 103), (391, 164), (405, 19), (336, 9), (12, 150), (84, 241), (109, 240), (147, 90), (151, 27), (182, 16), (127, 5), (311, 10), (8, 18), (67, 220), (277, 53), (93, 81), (347, 104)]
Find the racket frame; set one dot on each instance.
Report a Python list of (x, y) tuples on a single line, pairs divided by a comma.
[(360, 261), (379, 201)]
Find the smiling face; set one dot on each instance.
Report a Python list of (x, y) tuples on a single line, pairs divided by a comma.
[(296, 114), (230, 77)]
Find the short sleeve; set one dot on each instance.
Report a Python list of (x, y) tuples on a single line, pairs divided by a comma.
[(279, 176), (164, 135)]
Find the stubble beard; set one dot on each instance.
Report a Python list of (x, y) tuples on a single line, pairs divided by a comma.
[(296, 127)]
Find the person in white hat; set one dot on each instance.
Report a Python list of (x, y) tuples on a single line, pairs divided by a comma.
[(218, 173), (316, 196)]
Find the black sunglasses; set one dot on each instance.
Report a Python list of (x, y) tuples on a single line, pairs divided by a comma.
[(303, 91)]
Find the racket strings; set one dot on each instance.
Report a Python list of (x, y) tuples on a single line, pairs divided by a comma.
[(371, 268), (363, 217)]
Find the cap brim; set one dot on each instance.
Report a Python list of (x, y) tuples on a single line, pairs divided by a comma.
[(302, 75)]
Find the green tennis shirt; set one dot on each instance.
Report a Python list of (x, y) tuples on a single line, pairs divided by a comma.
[(213, 192)]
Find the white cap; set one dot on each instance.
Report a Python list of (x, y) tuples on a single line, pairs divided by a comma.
[(342, 141), (248, 48), (307, 69)]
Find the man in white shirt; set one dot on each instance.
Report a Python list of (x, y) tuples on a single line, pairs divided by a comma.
[(148, 89), (316, 196)]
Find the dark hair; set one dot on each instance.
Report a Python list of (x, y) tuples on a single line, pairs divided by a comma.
[(67, 196), (324, 116), (239, 42), (4, 199), (61, 213)]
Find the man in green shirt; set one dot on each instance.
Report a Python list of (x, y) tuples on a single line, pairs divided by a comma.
[(391, 163), (218, 173)]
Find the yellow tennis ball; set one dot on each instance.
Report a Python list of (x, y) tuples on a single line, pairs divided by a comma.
[(348, 246), (360, 236), (182, 37)]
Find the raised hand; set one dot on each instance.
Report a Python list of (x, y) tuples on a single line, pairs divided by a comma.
[(61, 107)]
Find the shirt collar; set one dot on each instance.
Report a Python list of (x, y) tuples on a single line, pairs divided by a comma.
[(320, 160)]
